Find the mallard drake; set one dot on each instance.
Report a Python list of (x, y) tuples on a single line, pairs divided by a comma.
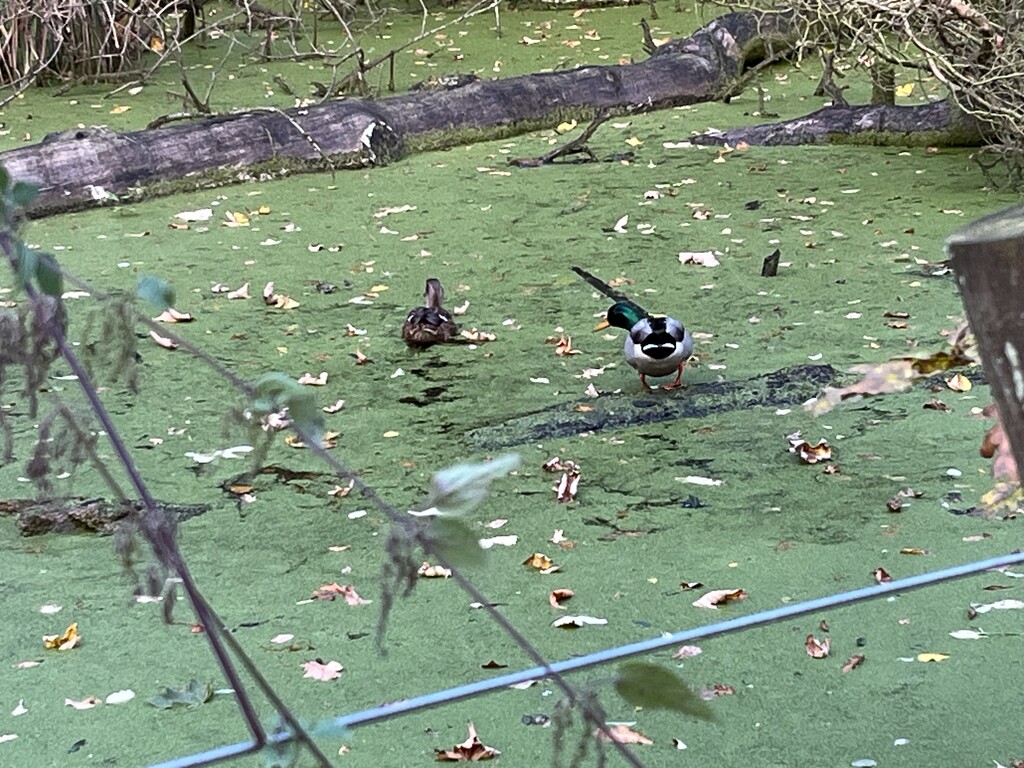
[(656, 345), (432, 323)]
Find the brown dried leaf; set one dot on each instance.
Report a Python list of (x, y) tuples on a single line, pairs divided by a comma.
[(471, 750), (428, 571), (881, 576), (623, 734), (541, 562), (809, 454), (563, 345), (559, 596), (853, 662), (817, 649), (996, 445), (894, 375)]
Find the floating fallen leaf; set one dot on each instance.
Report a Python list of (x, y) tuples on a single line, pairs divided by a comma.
[(329, 440), (500, 541), (881, 576), (913, 551), (717, 597), (337, 406), (201, 214), (471, 750), (171, 315), (120, 697), (568, 485), (967, 634), (896, 375), (853, 662), (87, 703), (563, 345), (698, 480), (995, 445), (163, 341), (809, 454), (277, 300), (687, 652), (19, 710), (235, 219), (716, 690), (959, 383), (461, 309), (28, 664), (472, 334), (331, 591), (63, 642), (702, 259), (558, 596), (314, 381), (999, 605), (383, 212), (932, 657), (351, 330), (428, 571), (239, 293), (817, 649), (361, 358), (569, 622), (341, 491), (623, 734), (541, 562), (318, 670)]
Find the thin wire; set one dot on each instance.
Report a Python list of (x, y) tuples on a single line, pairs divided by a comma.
[(718, 629)]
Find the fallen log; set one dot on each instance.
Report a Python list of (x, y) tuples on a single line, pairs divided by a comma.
[(786, 387), (94, 166)]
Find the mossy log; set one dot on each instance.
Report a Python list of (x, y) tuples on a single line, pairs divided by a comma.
[(77, 515), (788, 387), (95, 166), (85, 168)]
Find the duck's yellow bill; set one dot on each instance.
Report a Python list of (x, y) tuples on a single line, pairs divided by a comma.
[(602, 325)]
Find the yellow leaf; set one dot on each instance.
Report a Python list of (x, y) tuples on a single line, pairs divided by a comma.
[(235, 219), (959, 383), (633, 141), (904, 90), (120, 109), (263, 210), (566, 127), (932, 657), (64, 642)]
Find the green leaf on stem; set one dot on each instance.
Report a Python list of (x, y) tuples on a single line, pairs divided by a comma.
[(654, 687), (49, 276)]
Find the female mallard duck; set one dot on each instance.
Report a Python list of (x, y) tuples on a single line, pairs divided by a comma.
[(657, 345), (430, 324)]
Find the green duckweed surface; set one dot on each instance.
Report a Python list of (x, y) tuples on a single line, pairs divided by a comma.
[(859, 230)]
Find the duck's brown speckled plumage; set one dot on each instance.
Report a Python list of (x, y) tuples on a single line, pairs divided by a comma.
[(432, 323)]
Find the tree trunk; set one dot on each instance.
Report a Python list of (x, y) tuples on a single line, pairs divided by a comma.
[(85, 168), (988, 258)]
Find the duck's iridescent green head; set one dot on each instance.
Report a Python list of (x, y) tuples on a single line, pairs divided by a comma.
[(625, 314)]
